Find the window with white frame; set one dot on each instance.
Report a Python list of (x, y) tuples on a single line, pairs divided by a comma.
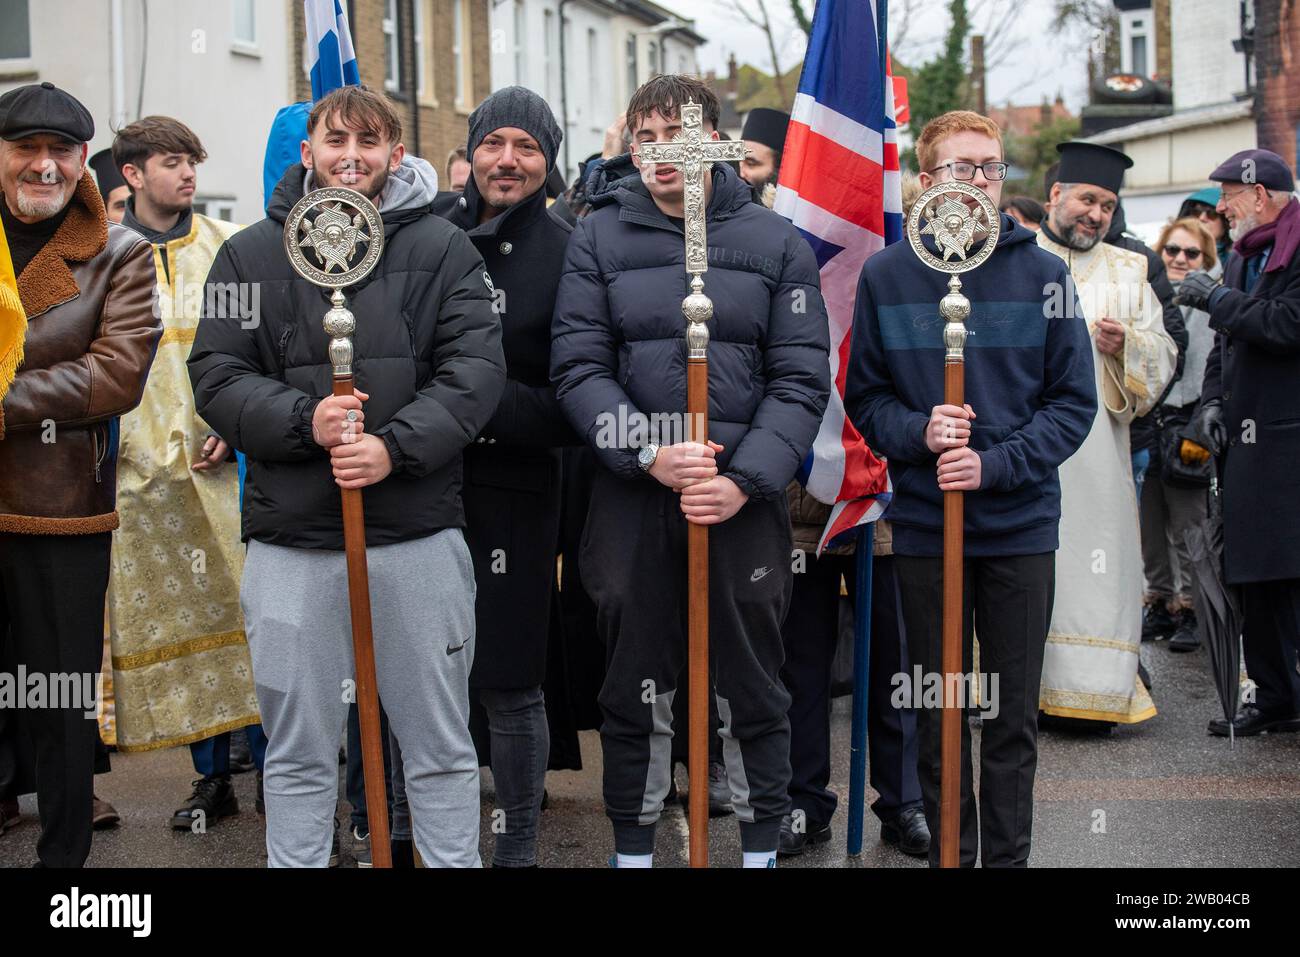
[(521, 48), (16, 37), (548, 51), (244, 30), (392, 48), (593, 56), (1137, 46), (421, 57), (460, 51), (222, 208), (652, 56), (632, 83)]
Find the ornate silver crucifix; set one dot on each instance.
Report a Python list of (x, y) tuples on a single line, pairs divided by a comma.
[(693, 153)]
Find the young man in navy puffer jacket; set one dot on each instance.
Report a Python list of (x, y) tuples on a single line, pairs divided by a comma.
[(1030, 402), (619, 356)]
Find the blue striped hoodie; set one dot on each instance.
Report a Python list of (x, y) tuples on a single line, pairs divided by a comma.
[(1029, 378)]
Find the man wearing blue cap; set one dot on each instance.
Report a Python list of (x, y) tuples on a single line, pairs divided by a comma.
[(1249, 419)]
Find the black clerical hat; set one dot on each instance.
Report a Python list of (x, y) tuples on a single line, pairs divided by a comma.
[(767, 127), (107, 174), (1092, 163)]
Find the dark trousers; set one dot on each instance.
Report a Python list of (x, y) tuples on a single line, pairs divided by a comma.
[(1008, 601), (634, 566), (52, 622), (1271, 636), (211, 756), (810, 634), (355, 774)]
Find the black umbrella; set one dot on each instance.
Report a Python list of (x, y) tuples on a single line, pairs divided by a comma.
[(1218, 612)]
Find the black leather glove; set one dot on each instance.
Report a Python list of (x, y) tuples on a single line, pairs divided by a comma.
[(1195, 290), (1206, 427)]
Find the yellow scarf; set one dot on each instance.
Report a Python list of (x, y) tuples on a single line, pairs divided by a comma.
[(13, 321)]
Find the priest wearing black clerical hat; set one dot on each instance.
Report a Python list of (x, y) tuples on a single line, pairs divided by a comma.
[(1090, 668), (112, 187), (764, 136)]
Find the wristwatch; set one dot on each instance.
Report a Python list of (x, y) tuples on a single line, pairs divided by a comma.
[(646, 457)]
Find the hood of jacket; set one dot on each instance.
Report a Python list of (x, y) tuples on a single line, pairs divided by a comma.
[(407, 194), (603, 176), (1118, 224), (730, 193)]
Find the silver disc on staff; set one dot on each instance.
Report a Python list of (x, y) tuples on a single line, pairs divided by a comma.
[(321, 238), (955, 228), (956, 216)]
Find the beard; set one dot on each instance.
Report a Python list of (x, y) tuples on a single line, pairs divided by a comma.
[(172, 209), (1244, 225), (42, 208), (1073, 238)]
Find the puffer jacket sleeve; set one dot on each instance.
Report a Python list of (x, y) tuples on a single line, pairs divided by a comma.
[(109, 379), (584, 354), (469, 368), (797, 371), (258, 414)]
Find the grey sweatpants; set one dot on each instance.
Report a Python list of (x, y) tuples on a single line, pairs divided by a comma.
[(295, 604)]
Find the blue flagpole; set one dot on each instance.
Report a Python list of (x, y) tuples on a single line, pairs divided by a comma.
[(861, 662)]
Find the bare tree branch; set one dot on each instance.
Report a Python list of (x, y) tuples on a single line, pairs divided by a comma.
[(763, 22)]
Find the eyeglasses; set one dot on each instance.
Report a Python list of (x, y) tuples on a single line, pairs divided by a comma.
[(1229, 197), (1205, 212), (1192, 253), (993, 172)]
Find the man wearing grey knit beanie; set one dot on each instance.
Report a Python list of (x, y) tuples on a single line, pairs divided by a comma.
[(512, 470)]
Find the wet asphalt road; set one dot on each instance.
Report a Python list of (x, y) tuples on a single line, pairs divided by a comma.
[(1162, 793)]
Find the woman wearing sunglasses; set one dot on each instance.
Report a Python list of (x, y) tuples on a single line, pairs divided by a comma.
[(1203, 207), (1173, 498)]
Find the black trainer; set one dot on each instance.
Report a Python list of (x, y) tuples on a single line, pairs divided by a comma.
[(213, 799), (1157, 623), (908, 832), (1185, 637), (792, 843)]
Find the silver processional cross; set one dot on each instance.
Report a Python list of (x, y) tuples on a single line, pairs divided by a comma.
[(693, 153)]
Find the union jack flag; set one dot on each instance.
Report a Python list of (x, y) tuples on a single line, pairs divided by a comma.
[(840, 186)]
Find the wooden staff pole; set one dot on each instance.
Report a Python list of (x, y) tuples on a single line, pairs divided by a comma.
[(954, 308), (363, 654), (697, 562)]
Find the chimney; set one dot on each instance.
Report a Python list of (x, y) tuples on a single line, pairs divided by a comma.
[(732, 79)]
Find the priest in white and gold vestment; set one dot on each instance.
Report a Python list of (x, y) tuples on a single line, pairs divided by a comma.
[(1090, 669)]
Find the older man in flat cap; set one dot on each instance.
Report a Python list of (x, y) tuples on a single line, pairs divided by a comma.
[(1090, 669), (87, 288), (1249, 418)]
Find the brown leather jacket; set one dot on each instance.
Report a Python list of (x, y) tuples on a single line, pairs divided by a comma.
[(91, 335)]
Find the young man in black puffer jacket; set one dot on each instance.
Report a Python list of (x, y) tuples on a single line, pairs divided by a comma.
[(429, 370), (618, 361)]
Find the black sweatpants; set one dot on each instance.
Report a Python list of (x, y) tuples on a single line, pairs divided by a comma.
[(1271, 640), (1008, 601), (634, 566), (811, 633), (52, 622)]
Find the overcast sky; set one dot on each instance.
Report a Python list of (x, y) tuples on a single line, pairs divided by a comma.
[(1039, 64)]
